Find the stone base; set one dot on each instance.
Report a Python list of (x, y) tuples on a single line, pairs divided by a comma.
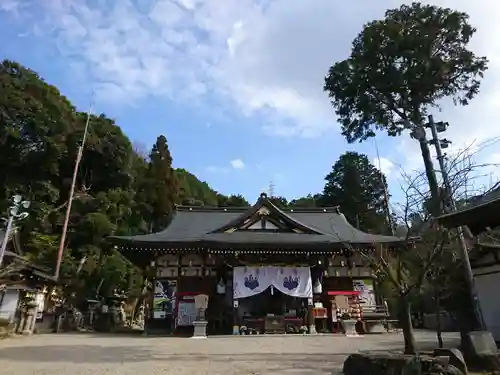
[(200, 329), (312, 330), (374, 327), (481, 351), (482, 343), (349, 327)]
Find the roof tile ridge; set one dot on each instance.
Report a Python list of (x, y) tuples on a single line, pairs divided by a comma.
[(312, 210), (183, 208)]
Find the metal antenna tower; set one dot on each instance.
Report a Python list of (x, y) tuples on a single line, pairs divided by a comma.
[(271, 189)]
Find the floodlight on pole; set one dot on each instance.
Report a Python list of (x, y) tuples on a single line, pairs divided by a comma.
[(15, 212)]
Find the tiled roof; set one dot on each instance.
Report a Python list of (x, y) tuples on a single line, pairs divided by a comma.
[(198, 226), (481, 212)]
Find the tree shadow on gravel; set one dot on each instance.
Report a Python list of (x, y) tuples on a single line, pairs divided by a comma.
[(76, 354), (81, 354)]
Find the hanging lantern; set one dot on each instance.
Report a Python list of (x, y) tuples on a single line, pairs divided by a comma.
[(221, 287), (317, 288)]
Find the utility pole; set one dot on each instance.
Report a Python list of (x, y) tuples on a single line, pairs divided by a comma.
[(439, 144), (72, 193), (386, 193)]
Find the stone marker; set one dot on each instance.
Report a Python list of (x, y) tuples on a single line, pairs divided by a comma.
[(200, 324)]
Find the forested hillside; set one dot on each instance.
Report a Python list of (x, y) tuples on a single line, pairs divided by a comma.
[(119, 190)]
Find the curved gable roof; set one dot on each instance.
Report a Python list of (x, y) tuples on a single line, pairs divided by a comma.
[(202, 226)]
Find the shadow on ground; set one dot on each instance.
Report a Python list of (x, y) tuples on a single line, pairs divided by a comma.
[(323, 361), (318, 363)]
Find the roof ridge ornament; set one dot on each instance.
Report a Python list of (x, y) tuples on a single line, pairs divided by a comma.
[(263, 195)]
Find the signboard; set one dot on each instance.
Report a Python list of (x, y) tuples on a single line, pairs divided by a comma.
[(366, 292), (164, 298), (186, 314)]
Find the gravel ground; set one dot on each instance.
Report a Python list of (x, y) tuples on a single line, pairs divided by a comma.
[(79, 354)]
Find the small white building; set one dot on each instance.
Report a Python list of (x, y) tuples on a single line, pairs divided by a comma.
[(479, 216), (486, 270)]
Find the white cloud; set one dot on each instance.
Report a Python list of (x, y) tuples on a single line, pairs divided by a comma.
[(11, 6), (253, 56), (233, 165), (385, 165), (237, 164)]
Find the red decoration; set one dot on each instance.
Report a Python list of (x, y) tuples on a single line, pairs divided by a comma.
[(343, 293)]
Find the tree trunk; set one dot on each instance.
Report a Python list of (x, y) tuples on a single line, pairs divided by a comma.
[(438, 317), (431, 177), (406, 324)]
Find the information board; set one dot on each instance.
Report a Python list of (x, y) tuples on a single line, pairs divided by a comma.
[(186, 314)]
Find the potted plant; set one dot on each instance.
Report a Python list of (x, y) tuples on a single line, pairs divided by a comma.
[(349, 324)]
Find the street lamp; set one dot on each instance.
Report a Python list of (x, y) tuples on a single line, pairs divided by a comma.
[(16, 212)]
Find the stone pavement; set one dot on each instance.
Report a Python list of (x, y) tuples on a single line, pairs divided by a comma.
[(82, 354)]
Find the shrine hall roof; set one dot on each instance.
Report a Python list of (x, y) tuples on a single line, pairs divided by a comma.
[(216, 227), (480, 213)]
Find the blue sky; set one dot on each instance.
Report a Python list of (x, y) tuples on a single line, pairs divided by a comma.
[(236, 89)]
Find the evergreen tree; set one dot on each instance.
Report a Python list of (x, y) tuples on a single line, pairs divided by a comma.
[(357, 186), (234, 200), (280, 202), (309, 201), (164, 184)]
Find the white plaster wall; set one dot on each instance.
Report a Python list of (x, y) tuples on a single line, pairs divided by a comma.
[(9, 304), (487, 285)]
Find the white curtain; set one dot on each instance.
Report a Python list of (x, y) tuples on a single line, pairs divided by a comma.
[(249, 281), (294, 281)]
